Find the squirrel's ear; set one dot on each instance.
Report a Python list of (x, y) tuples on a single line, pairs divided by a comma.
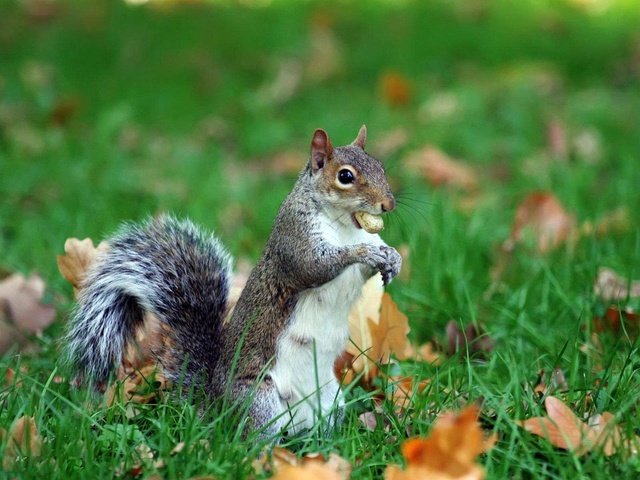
[(321, 149), (361, 138)]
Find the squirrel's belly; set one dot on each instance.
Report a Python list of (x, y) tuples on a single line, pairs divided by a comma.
[(307, 349)]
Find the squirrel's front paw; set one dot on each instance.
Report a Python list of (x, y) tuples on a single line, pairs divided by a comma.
[(386, 260)]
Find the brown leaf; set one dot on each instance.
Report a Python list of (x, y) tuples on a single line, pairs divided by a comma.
[(24, 440), (142, 385), (472, 340), (395, 89), (613, 319), (79, 256), (21, 298), (389, 334), (449, 452), (441, 170), (541, 216)]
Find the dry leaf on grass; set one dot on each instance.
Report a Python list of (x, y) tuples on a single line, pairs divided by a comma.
[(557, 142), (441, 170), (21, 297), (405, 389), (542, 218), (395, 89), (449, 452), (563, 429), (21, 310), (472, 339), (286, 465), (79, 256), (24, 440), (611, 287), (389, 143), (142, 385), (377, 330)]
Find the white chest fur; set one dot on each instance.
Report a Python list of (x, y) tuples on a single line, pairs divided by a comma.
[(317, 335)]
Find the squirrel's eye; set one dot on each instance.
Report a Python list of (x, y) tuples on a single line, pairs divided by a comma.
[(346, 176)]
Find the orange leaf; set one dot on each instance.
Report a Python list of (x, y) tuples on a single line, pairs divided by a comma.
[(448, 452), (314, 466), (561, 428), (311, 471), (395, 88)]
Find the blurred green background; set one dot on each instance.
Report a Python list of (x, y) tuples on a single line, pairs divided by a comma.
[(112, 111)]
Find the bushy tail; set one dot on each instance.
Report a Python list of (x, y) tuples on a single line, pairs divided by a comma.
[(167, 267)]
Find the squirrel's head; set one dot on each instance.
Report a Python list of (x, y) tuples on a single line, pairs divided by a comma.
[(348, 177)]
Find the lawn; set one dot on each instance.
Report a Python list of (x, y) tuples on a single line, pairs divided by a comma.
[(113, 112)]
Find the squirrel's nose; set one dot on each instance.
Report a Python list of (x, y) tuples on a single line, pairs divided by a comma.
[(388, 204)]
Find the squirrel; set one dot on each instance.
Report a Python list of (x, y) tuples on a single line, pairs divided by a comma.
[(290, 324)]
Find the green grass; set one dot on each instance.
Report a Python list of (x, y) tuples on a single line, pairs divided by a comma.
[(147, 84)]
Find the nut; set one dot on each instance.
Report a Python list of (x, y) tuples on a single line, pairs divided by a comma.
[(370, 223)]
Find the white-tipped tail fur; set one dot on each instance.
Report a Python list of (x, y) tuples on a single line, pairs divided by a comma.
[(167, 267)]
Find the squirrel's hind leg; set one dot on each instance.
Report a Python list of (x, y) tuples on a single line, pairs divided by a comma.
[(264, 408)]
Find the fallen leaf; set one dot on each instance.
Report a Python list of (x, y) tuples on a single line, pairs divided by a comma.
[(557, 381), (427, 353), (367, 307), (613, 319), (311, 471), (611, 287), (177, 449), (369, 420), (24, 441), (79, 256), (472, 340), (389, 334), (557, 143), (440, 106), (449, 452), (587, 145), (142, 385), (563, 429), (285, 464), (395, 89), (441, 170), (405, 389), (541, 217), (20, 298), (389, 143), (325, 58)]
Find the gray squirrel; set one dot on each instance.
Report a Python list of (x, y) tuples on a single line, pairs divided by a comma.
[(290, 323)]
